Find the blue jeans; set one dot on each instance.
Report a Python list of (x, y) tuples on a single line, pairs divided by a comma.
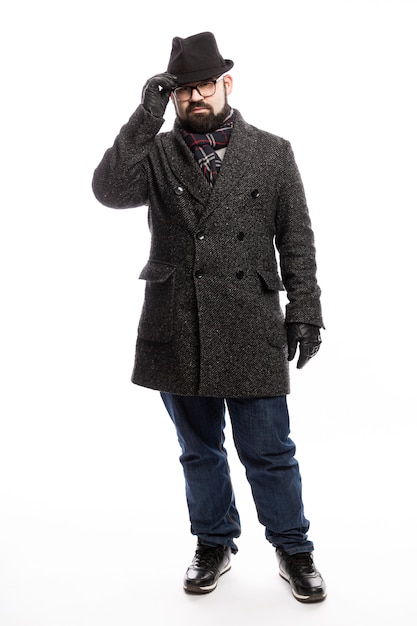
[(261, 430)]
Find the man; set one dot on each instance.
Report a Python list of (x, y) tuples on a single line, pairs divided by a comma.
[(223, 196)]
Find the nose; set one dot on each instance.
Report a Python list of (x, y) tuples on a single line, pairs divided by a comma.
[(195, 96)]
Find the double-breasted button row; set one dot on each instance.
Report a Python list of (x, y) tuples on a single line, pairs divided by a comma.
[(201, 235), (255, 193), (239, 274)]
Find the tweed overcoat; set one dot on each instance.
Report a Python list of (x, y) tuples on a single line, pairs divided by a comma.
[(211, 322)]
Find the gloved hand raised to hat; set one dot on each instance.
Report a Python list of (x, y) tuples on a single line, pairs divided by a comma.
[(156, 92)]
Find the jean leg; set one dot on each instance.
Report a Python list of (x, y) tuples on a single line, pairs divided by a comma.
[(261, 433), (199, 423)]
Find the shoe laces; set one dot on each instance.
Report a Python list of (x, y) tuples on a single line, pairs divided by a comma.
[(208, 556), (303, 561)]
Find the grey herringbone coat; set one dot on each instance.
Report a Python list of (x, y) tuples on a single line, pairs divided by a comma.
[(211, 322)]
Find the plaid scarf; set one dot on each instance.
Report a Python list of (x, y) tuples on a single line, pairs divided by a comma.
[(203, 147)]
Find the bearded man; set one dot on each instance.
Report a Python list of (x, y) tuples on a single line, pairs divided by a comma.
[(230, 229)]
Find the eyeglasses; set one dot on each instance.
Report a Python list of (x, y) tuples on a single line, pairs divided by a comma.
[(204, 89)]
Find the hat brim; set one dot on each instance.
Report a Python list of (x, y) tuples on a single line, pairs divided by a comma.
[(204, 74)]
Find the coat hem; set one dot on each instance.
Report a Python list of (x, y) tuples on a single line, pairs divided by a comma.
[(211, 394)]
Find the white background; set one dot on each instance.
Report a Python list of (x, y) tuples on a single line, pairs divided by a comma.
[(93, 522)]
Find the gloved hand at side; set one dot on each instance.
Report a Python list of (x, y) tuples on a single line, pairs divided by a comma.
[(307, 337), (155, 94)]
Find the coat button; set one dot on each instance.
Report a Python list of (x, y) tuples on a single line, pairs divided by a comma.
[(240, 274), (200, 236), (179, 190), (198, 274), (241, 236), (255, 193)]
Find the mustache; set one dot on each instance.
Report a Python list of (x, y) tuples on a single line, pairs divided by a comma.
[(197, 105)]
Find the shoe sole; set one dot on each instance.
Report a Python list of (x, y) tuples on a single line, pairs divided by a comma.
[(299, 597), (190, 588)]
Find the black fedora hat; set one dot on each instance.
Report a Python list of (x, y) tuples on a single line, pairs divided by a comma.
[(197, 58)]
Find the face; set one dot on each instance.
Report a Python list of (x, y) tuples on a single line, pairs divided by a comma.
[(204, 114)]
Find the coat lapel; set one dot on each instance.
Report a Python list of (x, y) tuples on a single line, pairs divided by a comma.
[(190, 176), (234, 167), (184, 166)]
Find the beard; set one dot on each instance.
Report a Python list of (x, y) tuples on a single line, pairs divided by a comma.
[(203, 122)]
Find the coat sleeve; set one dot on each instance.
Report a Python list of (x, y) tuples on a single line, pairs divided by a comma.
[(120, 180), (295, 243)]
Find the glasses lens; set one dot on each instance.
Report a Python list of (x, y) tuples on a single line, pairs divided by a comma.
[(205, 90), (182, 93)]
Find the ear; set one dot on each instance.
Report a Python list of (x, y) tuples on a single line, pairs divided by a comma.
[(228, 83)]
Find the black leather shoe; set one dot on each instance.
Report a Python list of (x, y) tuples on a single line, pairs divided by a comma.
[(299, 570), (209, 563)]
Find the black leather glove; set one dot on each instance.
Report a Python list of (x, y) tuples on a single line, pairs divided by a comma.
[(307, 336), (155, 94)]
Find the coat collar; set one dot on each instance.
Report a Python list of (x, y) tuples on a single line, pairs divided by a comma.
[(235, 166)]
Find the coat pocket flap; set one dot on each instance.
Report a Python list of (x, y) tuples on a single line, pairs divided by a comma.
[(156, 272), (271, 279)]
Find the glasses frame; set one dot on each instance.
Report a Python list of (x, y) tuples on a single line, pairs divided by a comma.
[(196, 87)]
